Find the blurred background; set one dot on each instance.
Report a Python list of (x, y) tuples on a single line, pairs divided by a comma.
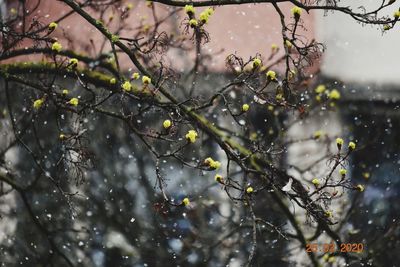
[(118, 217)]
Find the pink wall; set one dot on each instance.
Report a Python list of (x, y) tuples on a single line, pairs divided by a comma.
[(241, 29)]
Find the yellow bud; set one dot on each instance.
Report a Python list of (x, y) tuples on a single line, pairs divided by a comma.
[(245, 107), (339, 142), (215, 165), (191, 136), (204, 16), (135, 76), (56, 46), (37, 104), (218, 178), (296, 11), (320, 89), (127, 86), (74, 101), (256, 63), (186, 201), (249, 190), (146, 79), (129, 6), (189, 9), (360, 188), (52, 26), (334, 94), (318, 134), (315, 182), (288, 44), (73, 62), (167, 124), (193, 23), (352, 146), (271, 75)]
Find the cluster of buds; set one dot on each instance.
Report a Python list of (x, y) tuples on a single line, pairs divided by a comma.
[(213, 164), (203, 17), (340, 142)]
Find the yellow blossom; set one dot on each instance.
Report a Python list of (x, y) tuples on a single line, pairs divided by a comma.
[(396, 14), (74, 101), (73, 62), (208, 160), (189, 9), (288, 44), (328, 213), (129, 6), (52, 26), (352, 145), (65, 92), (146, 79), (256, 63), (318, 134), (114, 38), (56, 47), (296, 11), (167, 124), (186, 201), (360, 188), (135, 76), (127, 86), (218, 178), (215, 165), (366, 175), (245, 107), (209, 11), (386, 27), (37, 104), (271, 75), (315, 182), (320, 89), (249, 190), (318, 98), (343, 172), (339, 142), (334, 94), (193, 23), (191, 136), (62, 137), (204, 16), (274, 47), (113, 81), (270, 107)]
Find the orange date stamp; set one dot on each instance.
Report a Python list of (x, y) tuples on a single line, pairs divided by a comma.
[(332, 248)]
